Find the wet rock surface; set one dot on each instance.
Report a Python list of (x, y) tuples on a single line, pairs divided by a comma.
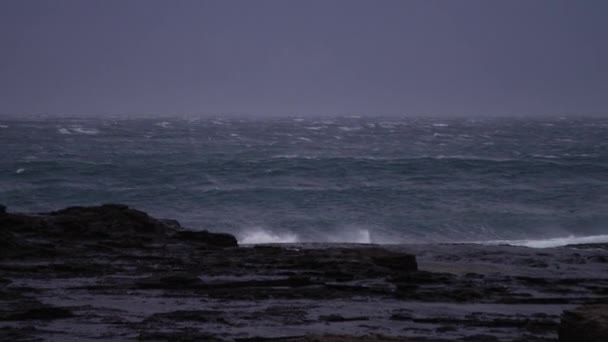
[(114, 273), (587, 323)]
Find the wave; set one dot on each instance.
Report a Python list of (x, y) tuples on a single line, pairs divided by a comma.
[(261, 236), (163, 124), (77, 129), (82, 130), (552, 242)]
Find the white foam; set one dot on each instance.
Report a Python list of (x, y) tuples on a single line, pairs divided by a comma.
[(3, 126), (545, 156), (352, 236), (440, 125), (553, 242), (349, 129), (62, 130), (82, 130), (259, 235), (20, 171), (163, 124)]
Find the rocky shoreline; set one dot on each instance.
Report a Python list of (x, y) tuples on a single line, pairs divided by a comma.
[(115, 273)]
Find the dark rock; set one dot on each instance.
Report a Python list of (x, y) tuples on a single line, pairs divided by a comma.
[(397, 262), (19, 334), (186, 335), (189, 315), (587, 323), (170, 281), (480, 338), (108, 220), (38, 312), (287, 282), (9, 244), (333, 338), (2, 209), (339, 318), (208, 238)]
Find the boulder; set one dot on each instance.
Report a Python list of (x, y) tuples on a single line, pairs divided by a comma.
[(587, 323)]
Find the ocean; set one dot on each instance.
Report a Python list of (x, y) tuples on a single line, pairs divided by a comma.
[(534, 182)]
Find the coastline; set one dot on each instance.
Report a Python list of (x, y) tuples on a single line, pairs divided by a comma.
[(115, 273)]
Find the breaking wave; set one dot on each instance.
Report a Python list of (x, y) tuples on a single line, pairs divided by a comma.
[(259, 236), (263, 236), (552, 242)]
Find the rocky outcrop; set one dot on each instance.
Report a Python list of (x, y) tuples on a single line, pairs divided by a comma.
[(588, 323), (205, 237), (164, 282), (109, 225)]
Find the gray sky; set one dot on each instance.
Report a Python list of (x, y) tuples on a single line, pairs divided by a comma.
[(376, 57)]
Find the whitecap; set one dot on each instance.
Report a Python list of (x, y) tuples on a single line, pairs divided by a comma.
[(20, 170), (441, 135), (62, 130), (348, 129), (545, 156), (552, 242), (3, 126), (285, 156), (304, 139), (352, 236), (163, 124), (315, 128), (388, 125), (440, 125), (258, 236), (81, 130)]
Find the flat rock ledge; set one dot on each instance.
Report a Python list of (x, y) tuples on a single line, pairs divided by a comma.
[(588, 323), (111, 272), (111, 225)]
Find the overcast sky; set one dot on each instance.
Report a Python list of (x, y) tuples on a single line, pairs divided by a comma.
[(290, 57)]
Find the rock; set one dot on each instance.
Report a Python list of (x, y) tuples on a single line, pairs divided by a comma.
[(8, 243), (170, 281), (2, 209), (38, 312), (208, 238), (330, 338), (340, 318), (117, 225), (397, 262), (587, 323), (214, 316), (108, 220), (186, 335)]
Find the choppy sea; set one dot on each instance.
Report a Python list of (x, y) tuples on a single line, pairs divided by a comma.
[(535, 182)]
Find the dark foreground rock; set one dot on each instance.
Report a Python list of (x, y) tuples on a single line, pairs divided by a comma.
[(110, 225), (587, 323), (115, 273)]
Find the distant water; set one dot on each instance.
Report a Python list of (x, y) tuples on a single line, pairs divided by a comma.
[(356, 179)]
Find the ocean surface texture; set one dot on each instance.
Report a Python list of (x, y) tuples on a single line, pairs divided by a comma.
[(536, 182)]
